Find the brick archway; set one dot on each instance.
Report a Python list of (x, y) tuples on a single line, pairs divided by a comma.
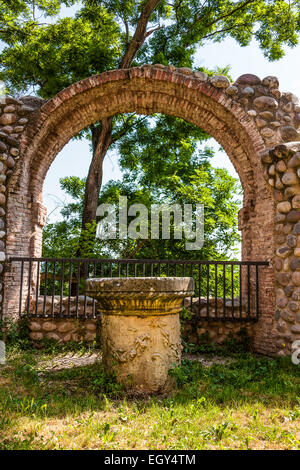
[(248, 118)]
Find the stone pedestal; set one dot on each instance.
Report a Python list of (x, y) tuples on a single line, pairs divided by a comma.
[(140, 328)]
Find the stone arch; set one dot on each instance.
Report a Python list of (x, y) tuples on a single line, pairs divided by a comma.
[(247, 118)]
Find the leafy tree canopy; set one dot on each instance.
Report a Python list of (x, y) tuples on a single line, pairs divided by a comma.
[(47, 52), (180, 174), (160, 156)]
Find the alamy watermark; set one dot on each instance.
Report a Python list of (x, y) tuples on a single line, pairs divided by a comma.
[(2, 353), (296, 352), (156, 223), (2, 92)]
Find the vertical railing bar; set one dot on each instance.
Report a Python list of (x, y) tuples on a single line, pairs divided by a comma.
[(191, 275), (248, 288), (110, 269), (45, 290), (29, 280), (86, 270), (232, 292), (257, 292), (70, 287), (127, 269), (199, 293), (61, 287), (224, 291), (77, 289), (216, 290), (144, 267), (37, 287), (240, 273), (207, 291), (119, 269), (21, 288), (94, 301), (53, 289)]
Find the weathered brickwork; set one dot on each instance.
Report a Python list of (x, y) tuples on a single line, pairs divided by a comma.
[(248, 118)]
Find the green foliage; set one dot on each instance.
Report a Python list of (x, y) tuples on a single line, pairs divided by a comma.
[(263, 376), (15, 333), (105, 383), (247, 402), (58, 54), (44, 53), (162, 162)]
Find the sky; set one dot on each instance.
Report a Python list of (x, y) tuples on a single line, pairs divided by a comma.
[(250, 59)]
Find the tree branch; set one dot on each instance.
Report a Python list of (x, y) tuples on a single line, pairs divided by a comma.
[(139, 35), (127, 125), (222, 17), (153, 31), (230, 28)]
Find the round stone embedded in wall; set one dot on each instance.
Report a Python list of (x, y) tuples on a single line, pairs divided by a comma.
[(200, 76), (36, 336), (220, 81), (267, 132), (296, 278), (284, 207), (295, 264), (289, 178), (267, 115), (284, 251), (283, 278), (281, 166), (296, 202), (248, 91), (49, 326), (271, 81), (248, 79), (294, 162), (289, 134), (265, 102), (8, 118), (10, 162), (293, 216), (232, 90), (34, 326)]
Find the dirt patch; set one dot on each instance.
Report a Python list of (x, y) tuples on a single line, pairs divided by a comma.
[(71, 360), (207, 361), (68, 361)]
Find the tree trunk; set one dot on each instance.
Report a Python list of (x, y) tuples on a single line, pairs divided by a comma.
[(101, 140), (102, 135)]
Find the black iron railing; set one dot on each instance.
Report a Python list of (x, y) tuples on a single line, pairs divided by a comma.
[(55, 287)]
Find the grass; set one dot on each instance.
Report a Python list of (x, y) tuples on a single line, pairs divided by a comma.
[(248, 403)]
